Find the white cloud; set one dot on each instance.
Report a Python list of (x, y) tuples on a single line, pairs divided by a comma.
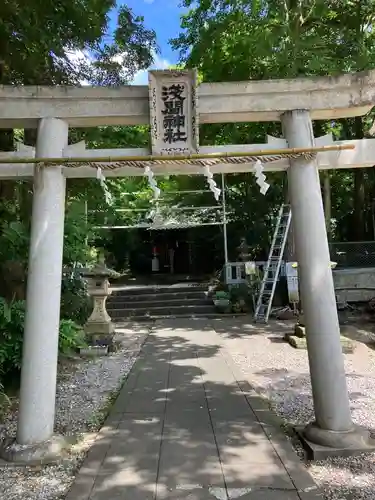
[(141, 77), (149, 1), (78, 57)]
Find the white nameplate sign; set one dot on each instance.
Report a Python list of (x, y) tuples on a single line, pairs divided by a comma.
[(173, 112)]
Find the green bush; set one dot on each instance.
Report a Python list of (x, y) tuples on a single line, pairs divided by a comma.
[(12, 319), (241, 298), (71, 336), (4, 402), (221, 295), (75, 303)]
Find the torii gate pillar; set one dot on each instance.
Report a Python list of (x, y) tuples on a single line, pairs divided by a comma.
[(35, 440), (333, 427)]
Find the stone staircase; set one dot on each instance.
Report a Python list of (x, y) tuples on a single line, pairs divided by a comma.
[(154, 302)]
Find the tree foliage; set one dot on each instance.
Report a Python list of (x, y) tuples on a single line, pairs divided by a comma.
[(234, 40), (46, 43)]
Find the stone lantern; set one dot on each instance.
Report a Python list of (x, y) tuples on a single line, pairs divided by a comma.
[(99, 328), (243, 250)]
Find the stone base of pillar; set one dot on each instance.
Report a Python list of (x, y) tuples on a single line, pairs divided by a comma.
[(93, 351), (297, 339), (48, 452), (320, 444), (300, 331), (99, 333)]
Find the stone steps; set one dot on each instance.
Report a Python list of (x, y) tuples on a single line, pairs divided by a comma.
[(151, 302), (134, 291), (154, 297), (123, 303), (166, 310), (125, 321)]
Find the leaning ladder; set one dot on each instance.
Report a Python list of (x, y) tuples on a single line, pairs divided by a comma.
[(272, 268)]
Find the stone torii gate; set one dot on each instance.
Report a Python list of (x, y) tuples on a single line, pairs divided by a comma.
[(175, 106)]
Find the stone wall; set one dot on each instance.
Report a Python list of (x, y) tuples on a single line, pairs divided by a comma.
[(354, 284)]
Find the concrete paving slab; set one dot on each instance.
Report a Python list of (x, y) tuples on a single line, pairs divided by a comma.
[(193, 494), (125, 484), (88, 473), (196, 430), (190, 459), (238, 425), (126, 401), (221, 408), (187, 418), (153, 379), (242, 448), (296, 470), (264, 494), (137, 435), (210, 473), (185, 398), (256, 475), (153, 405), (132, 456)]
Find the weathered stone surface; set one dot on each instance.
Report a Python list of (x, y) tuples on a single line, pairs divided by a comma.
[(93, 351), (285, 315), (299, 331), (301, 343), (48, 452), (99, 328), (320, 444)]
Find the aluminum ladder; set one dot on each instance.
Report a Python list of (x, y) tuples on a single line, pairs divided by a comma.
[(272, 268)]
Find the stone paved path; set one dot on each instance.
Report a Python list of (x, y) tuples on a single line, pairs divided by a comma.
[(186, 426)]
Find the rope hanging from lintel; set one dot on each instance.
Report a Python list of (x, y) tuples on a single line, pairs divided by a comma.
[(115, 165), (203, 160)]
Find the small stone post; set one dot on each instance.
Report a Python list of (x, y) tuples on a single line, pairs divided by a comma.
[(243, 250)]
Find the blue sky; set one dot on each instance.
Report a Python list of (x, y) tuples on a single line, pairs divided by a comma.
[(164, 17)]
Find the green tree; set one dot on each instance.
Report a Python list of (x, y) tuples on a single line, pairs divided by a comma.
[(37, 45), (38, 39), (232, 40)]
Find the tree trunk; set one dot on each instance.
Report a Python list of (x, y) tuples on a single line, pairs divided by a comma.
[(327, 202), (12, 282), (359, 204), (30, 135), (7, 187)]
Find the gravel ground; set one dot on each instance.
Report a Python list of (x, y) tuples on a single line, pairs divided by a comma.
[(280, 372), (83, 390)]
